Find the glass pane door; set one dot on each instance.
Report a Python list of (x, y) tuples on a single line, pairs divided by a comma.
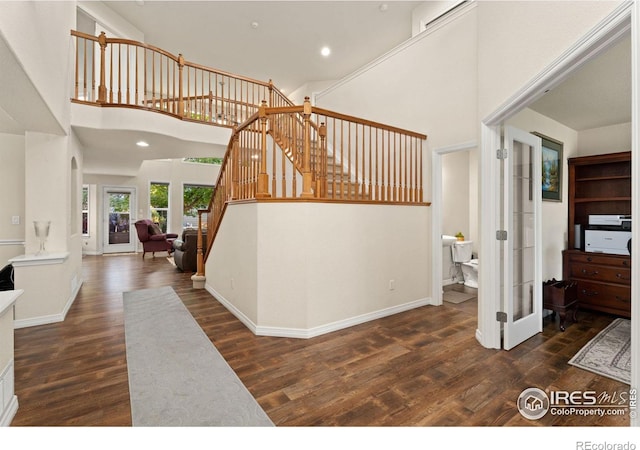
[(522, 200), (119, 205)]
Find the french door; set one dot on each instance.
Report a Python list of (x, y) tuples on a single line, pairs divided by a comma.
[(119, 216), (520, 236)]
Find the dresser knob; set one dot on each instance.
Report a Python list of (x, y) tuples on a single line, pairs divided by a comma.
[(620, 277)]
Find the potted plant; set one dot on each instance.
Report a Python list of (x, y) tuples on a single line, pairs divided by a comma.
[(460, 236)]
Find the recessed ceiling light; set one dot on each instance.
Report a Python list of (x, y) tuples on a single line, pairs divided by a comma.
[(142, 144), (325, 51)]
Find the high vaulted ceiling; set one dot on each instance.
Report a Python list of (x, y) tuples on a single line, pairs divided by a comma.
[(277, 40)]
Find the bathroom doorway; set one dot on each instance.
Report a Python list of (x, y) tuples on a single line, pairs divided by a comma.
[(455, 210)]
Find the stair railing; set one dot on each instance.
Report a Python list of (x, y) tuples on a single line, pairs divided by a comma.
[(122, 72), (272, 154)]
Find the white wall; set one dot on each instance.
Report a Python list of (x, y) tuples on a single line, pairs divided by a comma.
[(305, 269), (426, 85), (12, 190), (455, 194), (519, 39), (38, 32), (611, 139), (108, 21)]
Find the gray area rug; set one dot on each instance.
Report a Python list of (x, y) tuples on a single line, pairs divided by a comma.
[(609, 353), (456, 297), (176, 375)]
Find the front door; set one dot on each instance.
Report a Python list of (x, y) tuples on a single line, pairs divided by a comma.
[(119, 206), (520, 236)]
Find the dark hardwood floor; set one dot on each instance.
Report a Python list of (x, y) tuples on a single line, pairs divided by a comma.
[(419, 368)]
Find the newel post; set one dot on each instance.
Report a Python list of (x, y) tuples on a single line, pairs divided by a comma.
[(263, 177), (102, 87), (180, 93), (199, 277), (307, 179)]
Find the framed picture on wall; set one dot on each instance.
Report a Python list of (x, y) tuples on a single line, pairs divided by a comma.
[(551, 168)]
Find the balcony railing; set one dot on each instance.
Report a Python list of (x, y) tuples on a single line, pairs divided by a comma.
[(121, 72)]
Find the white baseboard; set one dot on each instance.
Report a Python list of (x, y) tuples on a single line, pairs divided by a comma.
[(8, 399), (10, 412), (52, 318), (307, 333)]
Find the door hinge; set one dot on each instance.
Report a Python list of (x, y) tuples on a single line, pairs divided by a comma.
[(501, 235), (501, 153), (501, 316)]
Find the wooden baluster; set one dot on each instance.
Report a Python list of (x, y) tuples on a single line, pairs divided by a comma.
[(111, 75), (322, 150), (293, 149), (153, 79), (420, 172), (235, 167), (93, 73), (75, 91), (119, 73), (274, 163), (210, 109), (180, 93), (128, 75), (102, 87), (370, 197), (335, 158), (307, 176), (263, 177)]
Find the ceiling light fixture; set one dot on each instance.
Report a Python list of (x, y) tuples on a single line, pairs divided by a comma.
[(142, 144), (254, 24), (383, 7), (325, 51)]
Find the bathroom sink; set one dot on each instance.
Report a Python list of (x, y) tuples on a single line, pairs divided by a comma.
[(448, 240)]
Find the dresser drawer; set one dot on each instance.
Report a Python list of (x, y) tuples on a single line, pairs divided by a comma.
[(601, 273), (598, 258), (605, 297)]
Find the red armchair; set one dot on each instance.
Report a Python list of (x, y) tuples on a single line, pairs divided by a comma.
[(153, 239)]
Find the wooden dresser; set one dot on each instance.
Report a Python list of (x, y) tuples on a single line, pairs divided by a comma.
[(604, 281), (599, 184)]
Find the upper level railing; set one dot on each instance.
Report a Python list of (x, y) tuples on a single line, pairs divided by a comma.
[(121, 72)]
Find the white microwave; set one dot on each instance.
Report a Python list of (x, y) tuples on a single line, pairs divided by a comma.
[(607, 241)]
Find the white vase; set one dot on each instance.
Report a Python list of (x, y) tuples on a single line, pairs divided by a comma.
[(42, 233)]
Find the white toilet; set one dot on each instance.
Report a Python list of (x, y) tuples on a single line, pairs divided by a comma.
[(461, 252)]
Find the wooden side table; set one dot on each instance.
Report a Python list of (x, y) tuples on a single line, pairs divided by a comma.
[(561, 297)]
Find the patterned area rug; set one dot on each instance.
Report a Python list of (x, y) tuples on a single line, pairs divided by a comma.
[(176, 375), (609, 353)]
